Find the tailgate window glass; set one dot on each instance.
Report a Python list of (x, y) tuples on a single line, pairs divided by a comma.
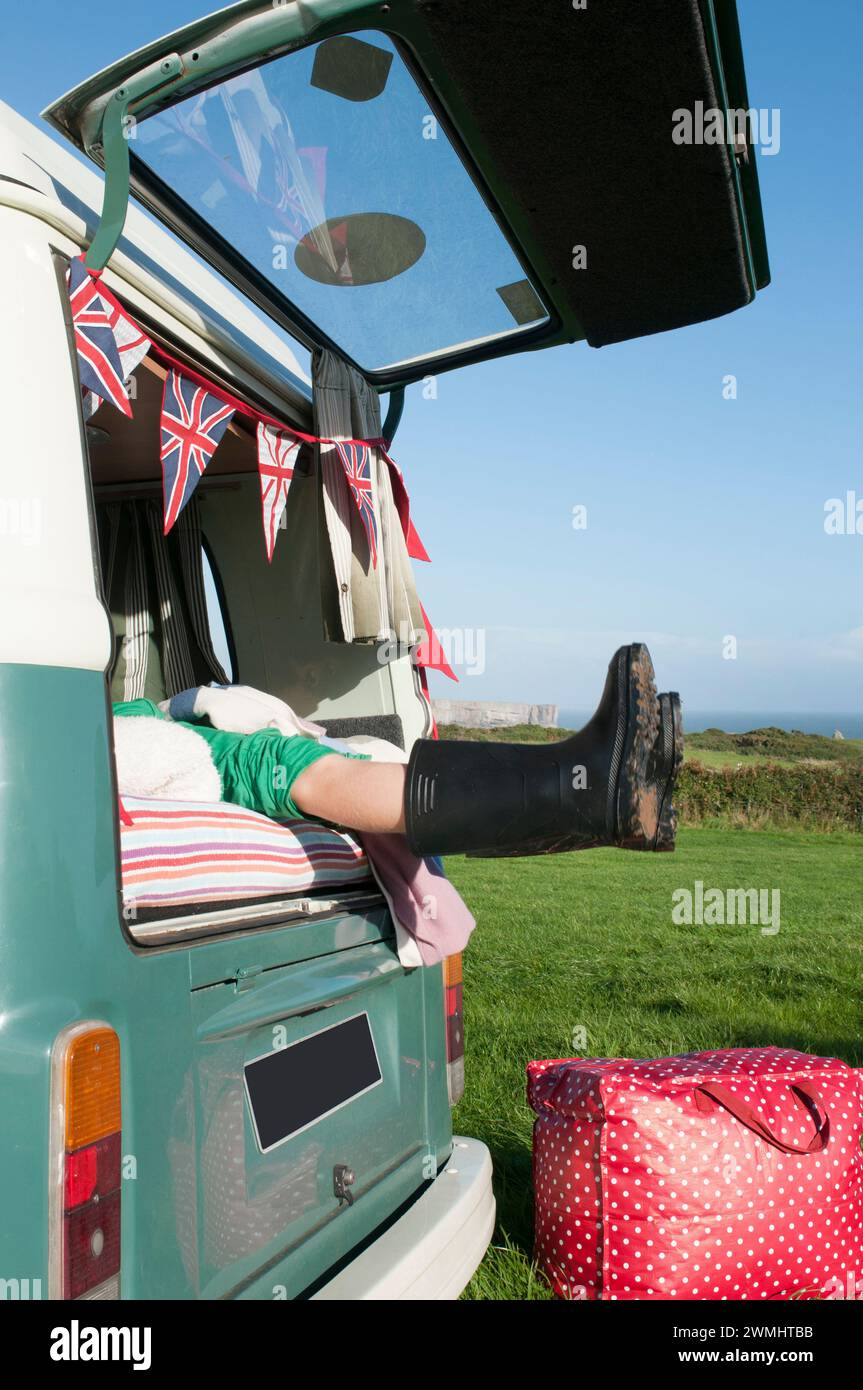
[(326, 170)]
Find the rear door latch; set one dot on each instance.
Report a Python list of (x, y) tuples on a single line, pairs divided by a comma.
[(344, 1178), (246, 976)]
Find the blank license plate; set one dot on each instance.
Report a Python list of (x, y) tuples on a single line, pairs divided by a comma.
[(293, 1087)]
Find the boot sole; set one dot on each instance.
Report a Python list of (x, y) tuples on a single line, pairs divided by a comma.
[(635, 799), (672, 757)]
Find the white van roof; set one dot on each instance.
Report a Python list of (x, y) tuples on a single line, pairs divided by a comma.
[(51, 182)]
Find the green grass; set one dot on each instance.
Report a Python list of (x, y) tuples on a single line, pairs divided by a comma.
[(587, 941), (723, 757), (772, 745)]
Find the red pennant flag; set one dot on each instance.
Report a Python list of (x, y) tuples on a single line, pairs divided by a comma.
[(430, 653), (415, 548), (277, 454)]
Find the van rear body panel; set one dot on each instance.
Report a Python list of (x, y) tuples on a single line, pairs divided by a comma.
[(252, 1206), (205, 1213)]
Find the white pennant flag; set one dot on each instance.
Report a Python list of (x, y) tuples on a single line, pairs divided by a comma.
[(277, 454)]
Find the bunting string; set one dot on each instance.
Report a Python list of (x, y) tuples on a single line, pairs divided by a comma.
[(235, 402), (195, 415)]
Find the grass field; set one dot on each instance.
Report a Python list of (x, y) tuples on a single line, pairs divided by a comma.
[(587, 941), (715, 748), (723, 757)]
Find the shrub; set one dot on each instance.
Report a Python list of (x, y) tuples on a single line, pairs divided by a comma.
[(768, 794)]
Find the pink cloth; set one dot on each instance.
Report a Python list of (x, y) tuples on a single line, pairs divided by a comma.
[(432, 921)]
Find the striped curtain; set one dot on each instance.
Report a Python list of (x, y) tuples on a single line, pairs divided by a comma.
[(160, 601), (136, 640), (177, 667), (374, 604)]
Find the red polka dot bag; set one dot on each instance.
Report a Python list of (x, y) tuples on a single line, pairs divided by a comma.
[(714, 1175)]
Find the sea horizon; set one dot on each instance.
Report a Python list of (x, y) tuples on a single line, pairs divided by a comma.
[(742, 721)]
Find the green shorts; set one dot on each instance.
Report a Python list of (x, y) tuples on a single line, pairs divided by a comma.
[(259, 770)]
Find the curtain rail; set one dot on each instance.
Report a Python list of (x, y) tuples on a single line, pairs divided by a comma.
[(147, 489)]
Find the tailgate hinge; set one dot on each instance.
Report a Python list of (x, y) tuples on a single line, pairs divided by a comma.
[(117, 129), (246, 975)]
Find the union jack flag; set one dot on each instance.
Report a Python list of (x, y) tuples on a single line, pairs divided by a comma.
[(357, 463), (193, 422), (100, 369), (132, 344), (277, 452)]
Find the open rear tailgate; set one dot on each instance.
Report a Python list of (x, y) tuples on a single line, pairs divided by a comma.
[(425, 184)]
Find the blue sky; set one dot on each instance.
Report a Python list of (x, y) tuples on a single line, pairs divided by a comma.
[(705, 516)]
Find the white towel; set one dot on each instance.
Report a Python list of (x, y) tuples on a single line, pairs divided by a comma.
[(156, 758)]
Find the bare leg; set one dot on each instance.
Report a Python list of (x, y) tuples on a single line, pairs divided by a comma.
[(360, 795)]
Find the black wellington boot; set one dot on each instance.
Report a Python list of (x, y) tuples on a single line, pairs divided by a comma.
[(609, 784), (662, 769)]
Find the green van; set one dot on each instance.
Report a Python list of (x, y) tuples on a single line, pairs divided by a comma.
[(377, 191)]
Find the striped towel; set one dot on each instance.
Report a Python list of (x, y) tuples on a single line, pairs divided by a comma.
[(174, 852)]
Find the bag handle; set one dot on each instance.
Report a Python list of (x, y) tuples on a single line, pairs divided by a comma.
[(803, 1092)]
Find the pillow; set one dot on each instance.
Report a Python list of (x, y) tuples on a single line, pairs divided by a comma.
[(175, 852)]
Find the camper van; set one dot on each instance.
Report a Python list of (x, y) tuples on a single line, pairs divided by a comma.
[(307, 208)]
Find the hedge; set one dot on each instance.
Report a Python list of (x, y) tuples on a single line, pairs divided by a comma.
[(769, 793)]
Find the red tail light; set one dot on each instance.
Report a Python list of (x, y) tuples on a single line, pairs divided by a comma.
[(86, 1154), (454, 1004), (92, 1172)]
